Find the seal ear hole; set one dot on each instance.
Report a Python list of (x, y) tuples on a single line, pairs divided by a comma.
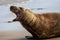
[(21, 8)]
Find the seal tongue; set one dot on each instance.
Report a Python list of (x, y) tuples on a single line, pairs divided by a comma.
[(18, 15)]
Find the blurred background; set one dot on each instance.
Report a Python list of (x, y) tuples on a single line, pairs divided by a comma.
[(15, 30)]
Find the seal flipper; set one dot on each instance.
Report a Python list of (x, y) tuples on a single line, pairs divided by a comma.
[(31, 37)]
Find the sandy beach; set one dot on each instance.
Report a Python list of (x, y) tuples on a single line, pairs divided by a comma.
[(17, 35), (13, 35)]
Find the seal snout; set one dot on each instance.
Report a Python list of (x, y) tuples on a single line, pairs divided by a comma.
[(12, 7)]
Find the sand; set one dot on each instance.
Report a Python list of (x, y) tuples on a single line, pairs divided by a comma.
[(17, 35)]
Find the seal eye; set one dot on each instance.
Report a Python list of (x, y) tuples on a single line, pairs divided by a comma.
[(21, 8), (16, 10)]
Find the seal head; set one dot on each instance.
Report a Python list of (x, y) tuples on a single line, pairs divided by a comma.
[(16, 10)]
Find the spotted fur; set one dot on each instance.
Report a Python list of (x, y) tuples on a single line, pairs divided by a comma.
[(44, 25)]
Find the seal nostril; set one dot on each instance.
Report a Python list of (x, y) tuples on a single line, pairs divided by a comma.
[(11, 7)]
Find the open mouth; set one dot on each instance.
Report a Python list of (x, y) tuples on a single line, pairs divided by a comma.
[(18, 15), (16, 10)]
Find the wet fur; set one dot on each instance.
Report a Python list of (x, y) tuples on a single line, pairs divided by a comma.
[(45, 25)]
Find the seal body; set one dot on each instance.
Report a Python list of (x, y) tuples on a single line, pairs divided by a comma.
[(44, 25)]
